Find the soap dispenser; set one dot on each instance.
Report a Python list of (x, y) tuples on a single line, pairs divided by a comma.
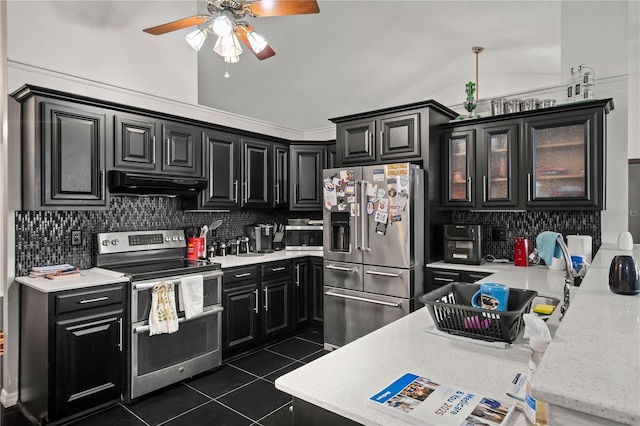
[(537, 332)]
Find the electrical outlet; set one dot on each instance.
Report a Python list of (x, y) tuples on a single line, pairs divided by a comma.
[(76, 237), (499, 234)]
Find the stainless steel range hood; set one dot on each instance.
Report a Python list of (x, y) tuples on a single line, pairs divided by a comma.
[(149, 184)]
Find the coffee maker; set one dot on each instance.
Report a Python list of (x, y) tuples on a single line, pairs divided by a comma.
[(260, 238)]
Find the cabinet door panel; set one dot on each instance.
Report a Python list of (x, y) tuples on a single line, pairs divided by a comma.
[(317, 291), (134, 144), (460, 168), (89, 361), (399, 137), (275, 309), (181, 153), (241, 328), (307, 177), (355, 141), (302, 292), (281, 176), (256, 173), (221, 169), (499, 162), (74, 156)]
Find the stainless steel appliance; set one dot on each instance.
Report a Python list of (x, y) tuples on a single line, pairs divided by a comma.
[(304, 237), (260, 238), (148, 258), (462, 243), (373, 242)]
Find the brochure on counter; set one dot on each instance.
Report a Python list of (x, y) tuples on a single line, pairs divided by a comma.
[(420, 401)]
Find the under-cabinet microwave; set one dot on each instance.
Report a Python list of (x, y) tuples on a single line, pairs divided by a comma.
[(303, 237)]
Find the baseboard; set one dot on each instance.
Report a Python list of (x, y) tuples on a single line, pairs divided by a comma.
[(7, 399)]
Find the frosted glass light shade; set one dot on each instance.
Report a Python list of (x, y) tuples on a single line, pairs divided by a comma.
[(231, 59), (228, 46), (222, 26), (196, 38), (256, 41)]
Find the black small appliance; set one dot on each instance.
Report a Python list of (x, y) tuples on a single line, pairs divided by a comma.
[(462, 243)]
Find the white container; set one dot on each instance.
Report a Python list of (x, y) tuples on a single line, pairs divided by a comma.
[(580, 244), (625, 241)]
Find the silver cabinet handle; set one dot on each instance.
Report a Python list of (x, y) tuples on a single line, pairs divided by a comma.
[(245, 190), (297, 275), (528, 186), (340, 268), (281, 268), (153, 150), (449, 280), (381, 141), (277, 193), (120, 331), (384, 274), (266, 299), (216, 310), (103, 182), (255, 306), (235, 191), (363, 299), (246, 274), (469, 188), (166, 151), (484, 188), (97, 299)]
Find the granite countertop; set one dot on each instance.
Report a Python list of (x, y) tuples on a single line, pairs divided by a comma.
[(87, 278), (232, 261), (593, 364), (344, 379)]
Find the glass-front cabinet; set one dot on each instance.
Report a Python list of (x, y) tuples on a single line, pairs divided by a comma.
[(460, 168), (499, 161), (562, 160)]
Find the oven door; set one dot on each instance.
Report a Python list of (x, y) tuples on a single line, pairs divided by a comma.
[(163, 359)]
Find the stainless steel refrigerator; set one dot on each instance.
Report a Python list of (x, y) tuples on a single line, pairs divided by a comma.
[(373, 247)]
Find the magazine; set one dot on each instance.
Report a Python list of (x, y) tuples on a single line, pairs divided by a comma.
[(420, 401)]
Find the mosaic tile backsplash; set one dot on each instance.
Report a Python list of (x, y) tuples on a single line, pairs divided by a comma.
[(43, 237), (529, 224)]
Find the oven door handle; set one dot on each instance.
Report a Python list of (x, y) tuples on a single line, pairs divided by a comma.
[(363, 299), (216, 310), (147, 286)]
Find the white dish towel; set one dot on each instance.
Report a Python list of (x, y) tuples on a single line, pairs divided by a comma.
[(191, 295), (163, 317)]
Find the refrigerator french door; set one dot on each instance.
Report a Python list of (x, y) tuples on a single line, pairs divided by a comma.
[(373, 247)]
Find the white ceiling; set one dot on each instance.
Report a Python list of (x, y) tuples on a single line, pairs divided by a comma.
[(356, 56)]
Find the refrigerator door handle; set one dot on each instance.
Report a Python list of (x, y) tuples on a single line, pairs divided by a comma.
[(362, 299), (364, 220), (340, 268), (384, 274), (363, 212)]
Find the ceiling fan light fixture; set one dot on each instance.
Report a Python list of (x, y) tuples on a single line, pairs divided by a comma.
[(228, 46), (256, 41), (222, 25), (231, 59), (196, 38)]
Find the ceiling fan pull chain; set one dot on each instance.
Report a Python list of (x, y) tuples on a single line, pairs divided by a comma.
[(226, 73)]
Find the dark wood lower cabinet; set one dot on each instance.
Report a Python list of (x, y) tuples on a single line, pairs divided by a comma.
[(72, 353), (317, 290)]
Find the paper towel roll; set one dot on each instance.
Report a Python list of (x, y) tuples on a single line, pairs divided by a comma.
[(580, 244)]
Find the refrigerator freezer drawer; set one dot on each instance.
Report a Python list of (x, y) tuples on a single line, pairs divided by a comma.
[(349, 315), (343, 275), (388, 281)]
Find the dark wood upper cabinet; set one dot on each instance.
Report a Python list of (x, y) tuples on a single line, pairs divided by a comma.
[(355, 141), (134, 142), (182, 149), (307, 162), (256, 173), (63, 154), (399, 137), (280, 176), (221, 166)]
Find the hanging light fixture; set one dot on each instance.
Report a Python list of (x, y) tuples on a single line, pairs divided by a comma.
[(477, 50), (228, 47), (257, 42), (222, 25), (197, 38)]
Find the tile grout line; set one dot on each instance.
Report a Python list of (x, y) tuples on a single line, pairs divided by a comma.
[(237, 412), (134, 414), (267, 415)]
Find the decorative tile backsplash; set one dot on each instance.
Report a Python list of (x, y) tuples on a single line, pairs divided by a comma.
[(43, 237), (529, 224)]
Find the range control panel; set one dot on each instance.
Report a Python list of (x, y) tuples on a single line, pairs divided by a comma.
[(120, 242)]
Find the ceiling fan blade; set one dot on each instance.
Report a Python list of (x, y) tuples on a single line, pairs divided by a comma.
[(242, 32), (177, 25), (284, 7)]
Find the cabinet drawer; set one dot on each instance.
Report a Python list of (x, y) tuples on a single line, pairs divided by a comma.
[(440, 278), (275, 268), (89, 298), (475, 276), (240, 274)]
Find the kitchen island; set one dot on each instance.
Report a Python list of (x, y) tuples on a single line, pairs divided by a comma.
[(342, 381)]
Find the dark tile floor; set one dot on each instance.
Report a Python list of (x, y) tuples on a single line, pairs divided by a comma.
[(241, 392)]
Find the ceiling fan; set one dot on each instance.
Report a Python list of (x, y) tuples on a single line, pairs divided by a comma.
[(225, 21)]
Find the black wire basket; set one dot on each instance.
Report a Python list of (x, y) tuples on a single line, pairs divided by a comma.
[(452, 312)]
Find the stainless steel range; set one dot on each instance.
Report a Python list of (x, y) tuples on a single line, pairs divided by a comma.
[(149, 258)]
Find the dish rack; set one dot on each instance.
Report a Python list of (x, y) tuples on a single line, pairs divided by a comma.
[(452, 312)]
